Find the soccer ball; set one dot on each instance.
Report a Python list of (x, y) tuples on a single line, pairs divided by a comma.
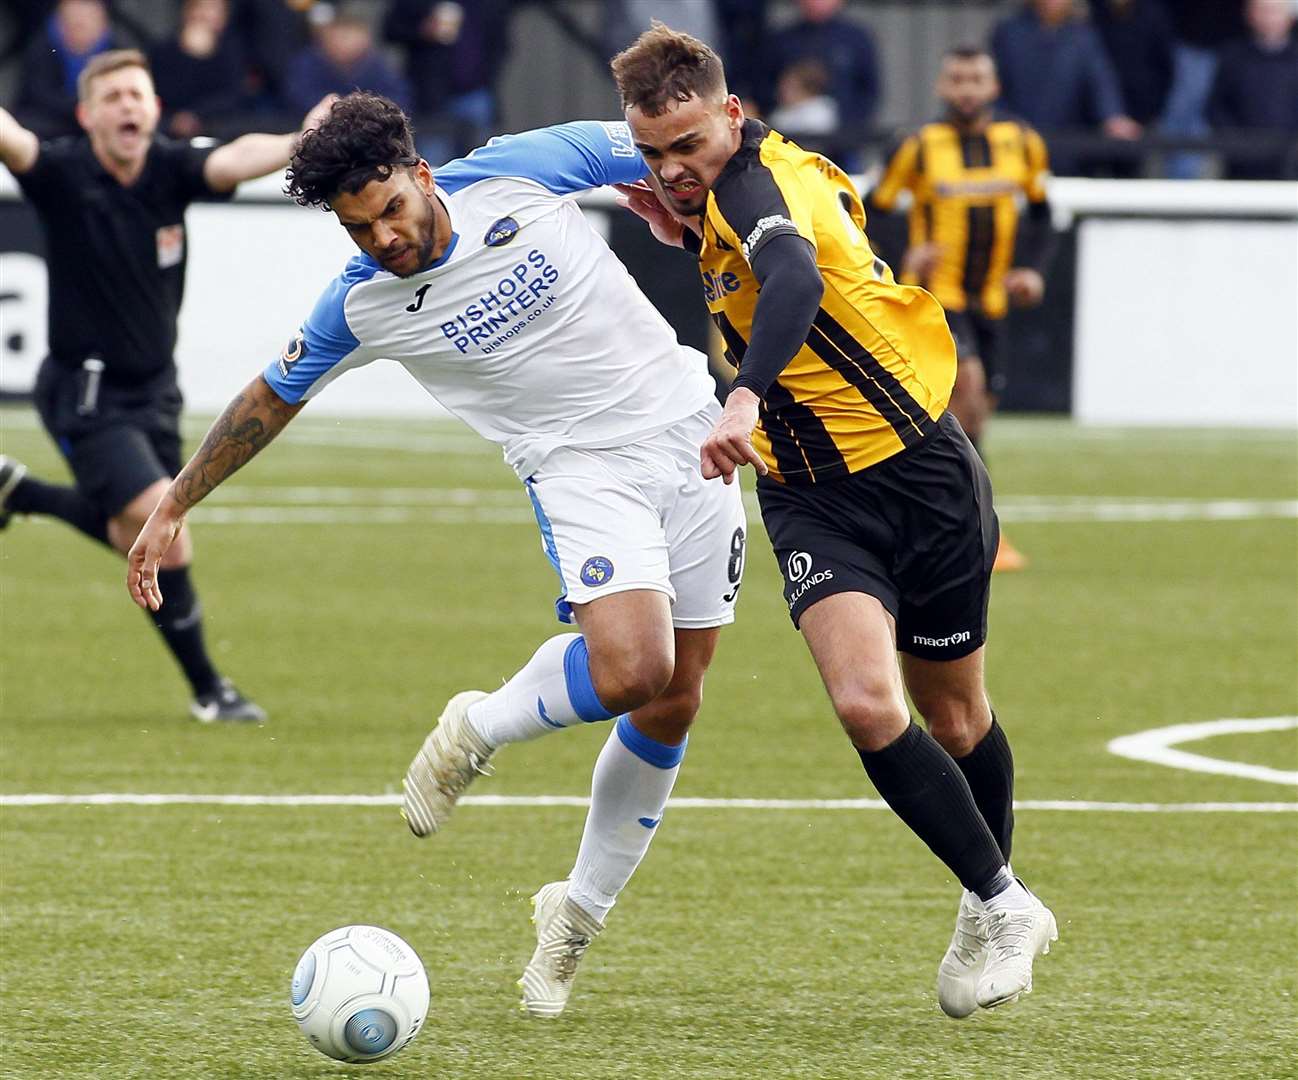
[(359, 994)]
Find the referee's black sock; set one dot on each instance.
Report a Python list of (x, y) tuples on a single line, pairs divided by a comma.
[(989, 768), (180, 622), (927, 790), (32, 496)]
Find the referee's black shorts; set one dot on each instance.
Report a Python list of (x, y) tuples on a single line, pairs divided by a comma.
[(977, 335), (116, 449), (916, 531)]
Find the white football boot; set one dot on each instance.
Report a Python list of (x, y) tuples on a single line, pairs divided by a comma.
[(1014, 937), (12, 472), (962, 966), (564, 931), (452, 757)]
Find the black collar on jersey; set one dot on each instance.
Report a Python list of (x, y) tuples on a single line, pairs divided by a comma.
[(101, 175), (752, 134)]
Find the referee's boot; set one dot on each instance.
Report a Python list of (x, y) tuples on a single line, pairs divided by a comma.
[(224, 704), (451, 758), (11, 475)]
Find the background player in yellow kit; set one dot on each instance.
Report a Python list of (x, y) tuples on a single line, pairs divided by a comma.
[(970, 243)]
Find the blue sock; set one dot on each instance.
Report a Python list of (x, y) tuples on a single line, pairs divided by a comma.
[(553, 691)]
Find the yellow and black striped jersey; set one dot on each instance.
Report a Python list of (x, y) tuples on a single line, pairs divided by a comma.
[(967, 189), (878, 363)]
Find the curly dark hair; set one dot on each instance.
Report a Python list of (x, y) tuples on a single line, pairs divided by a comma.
[(365, 137)]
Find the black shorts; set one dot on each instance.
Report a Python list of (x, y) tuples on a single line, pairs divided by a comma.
[(916, 531), (127, 441), (977, 335)]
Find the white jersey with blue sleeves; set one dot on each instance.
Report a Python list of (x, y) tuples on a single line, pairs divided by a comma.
[(528, 327)]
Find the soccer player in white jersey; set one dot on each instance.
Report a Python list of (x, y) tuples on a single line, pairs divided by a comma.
[(487, 283)]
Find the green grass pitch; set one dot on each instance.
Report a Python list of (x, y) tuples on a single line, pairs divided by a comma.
[(360, 572)]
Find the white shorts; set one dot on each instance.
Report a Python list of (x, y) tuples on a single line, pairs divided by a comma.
[(642, 517)]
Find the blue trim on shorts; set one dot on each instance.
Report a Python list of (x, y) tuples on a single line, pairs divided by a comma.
[(657, 754), (581, 688), (562, 609)]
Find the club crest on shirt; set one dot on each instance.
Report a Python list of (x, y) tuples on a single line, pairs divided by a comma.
[(171, 246), (501, 232), (292, 353), (597, 570)]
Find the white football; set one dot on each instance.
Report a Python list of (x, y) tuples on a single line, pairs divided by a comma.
[(359, 993)]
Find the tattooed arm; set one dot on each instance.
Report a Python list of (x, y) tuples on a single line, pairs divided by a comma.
[(255, 416)]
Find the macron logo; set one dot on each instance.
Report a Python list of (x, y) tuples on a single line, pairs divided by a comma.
[(942, 642)]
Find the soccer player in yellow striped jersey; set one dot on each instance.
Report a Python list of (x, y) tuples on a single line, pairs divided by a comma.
[(969, 174), (877, 505)]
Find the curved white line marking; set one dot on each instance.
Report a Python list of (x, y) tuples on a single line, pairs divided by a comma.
[(1156, 746)]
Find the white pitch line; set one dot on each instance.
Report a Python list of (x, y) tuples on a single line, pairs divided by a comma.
[(504, 506), (1107, 508), (374, 515), (371, 496), (580, 801), (1156, 746), (465, 445)]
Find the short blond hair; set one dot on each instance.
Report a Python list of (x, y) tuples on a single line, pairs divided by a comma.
[(105, 63)]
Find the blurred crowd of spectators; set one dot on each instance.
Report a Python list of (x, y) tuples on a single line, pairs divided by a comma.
[(1113, 70), (229, 65)]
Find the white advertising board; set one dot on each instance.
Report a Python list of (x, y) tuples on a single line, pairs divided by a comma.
[(1187, 322)]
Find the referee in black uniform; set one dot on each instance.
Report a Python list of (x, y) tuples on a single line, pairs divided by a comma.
[(112, 204)]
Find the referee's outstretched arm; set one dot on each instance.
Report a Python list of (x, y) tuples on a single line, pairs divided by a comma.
[(18, 146), (255, 416), (250, 156)]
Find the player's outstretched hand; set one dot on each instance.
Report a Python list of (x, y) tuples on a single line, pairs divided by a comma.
[(641, 201), (145, 555), (730, 443)]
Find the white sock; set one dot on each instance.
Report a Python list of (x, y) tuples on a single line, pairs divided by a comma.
[(1016, 897), (634, 776), (540, 698)]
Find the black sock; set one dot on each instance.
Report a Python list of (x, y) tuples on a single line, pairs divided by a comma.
[(989, 768), (926, 789), (180, 622), (32, 496)]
